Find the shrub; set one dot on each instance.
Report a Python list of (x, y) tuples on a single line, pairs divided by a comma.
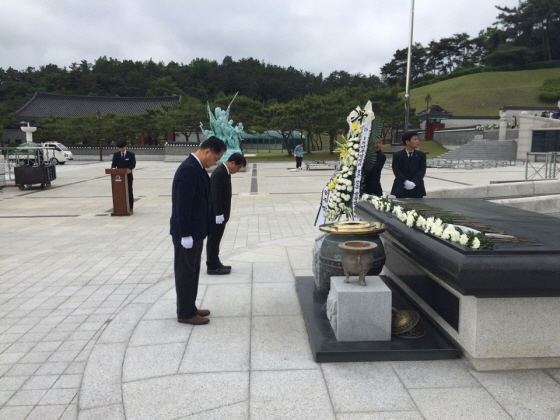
[(550, 90)]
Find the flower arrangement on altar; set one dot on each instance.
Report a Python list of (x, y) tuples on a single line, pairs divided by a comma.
[(442, 228), (355, 151)]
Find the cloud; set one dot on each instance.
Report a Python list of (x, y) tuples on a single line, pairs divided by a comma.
[(315, 36)]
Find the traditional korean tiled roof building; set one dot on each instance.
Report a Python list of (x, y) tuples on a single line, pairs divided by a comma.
[(433, 116), (44, 105)]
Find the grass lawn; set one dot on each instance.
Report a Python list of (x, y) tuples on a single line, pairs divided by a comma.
[(483, 94)]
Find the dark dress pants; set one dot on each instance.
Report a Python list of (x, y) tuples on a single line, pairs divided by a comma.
[(213, 245), (187, 272), (299, 160), (130, 194)]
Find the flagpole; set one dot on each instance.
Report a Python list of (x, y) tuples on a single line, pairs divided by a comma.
[(408, 64)]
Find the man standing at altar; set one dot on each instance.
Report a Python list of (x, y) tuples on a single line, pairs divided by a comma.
[(409, 167)]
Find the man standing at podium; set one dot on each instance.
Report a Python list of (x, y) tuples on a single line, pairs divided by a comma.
[(189, 226), (125, 159)]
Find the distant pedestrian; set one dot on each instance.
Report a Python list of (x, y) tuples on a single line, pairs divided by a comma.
[(298, 153)]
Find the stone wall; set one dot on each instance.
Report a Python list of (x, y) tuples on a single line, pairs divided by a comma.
[(527, 124)]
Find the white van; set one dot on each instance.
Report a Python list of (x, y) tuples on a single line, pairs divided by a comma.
[(53, 153), (59, 147)]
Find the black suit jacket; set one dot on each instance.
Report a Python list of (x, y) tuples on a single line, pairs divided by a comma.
[(372, 180), (411, 169), (189, 200), (129, 161), (220, 193)]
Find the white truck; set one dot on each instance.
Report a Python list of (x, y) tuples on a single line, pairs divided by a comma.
[(51, 152)]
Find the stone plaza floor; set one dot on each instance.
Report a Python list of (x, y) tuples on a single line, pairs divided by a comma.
[(88, 327)]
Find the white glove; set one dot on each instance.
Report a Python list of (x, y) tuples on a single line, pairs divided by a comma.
[(408, 185), (220, 219), (187, 242)]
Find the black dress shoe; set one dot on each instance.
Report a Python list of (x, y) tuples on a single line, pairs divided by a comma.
[(218, 271), (226, 267)]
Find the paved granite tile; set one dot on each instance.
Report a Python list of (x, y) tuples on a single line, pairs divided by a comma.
[(294, 394), (221, 346), (152, 361), (109, 412), (122, 326), (149, 332), (280, 342), (179, 396), (15, 413), (42, 412), (435, 374), (384, 415), (458, 404), (27, 397), (59, 396), (228, 300), (101, 383), (40, 382), (358, 387), (525, 394), (275, 299), (272, 273)]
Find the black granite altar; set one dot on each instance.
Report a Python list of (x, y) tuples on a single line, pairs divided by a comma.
[(433, 346), (509, 271)]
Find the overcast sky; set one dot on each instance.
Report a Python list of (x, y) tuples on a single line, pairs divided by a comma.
[(310, 35)]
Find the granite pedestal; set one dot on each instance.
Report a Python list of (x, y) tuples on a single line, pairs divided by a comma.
[(360, 313), (500, 306)]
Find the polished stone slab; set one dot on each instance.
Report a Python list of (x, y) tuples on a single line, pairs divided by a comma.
[(325, 347)]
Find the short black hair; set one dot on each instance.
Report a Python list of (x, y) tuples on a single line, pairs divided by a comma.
[(213, 143), (408, 135), (121, 143), (238, 159)]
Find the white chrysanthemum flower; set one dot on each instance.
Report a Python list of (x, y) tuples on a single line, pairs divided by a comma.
[(455, 236), (341, 205), (438, 230), (349, 188), (463, 239), (475, 243), (357, 146), (344, 168), (410, 219), (421, 222), (348, 182)]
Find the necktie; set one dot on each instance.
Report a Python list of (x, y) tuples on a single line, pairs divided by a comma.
[(122, 154), (409, 154)]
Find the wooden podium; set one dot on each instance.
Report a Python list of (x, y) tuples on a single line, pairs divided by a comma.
[(119, 184)]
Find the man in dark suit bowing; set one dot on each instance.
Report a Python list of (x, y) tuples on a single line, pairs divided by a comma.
[(189, 226), (409, 167), (220, 207), (125, 159)]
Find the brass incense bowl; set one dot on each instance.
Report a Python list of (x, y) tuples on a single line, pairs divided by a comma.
[(353, 227), (357, 258), (403, 320)]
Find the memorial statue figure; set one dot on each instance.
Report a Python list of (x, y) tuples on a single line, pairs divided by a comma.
[(222, 127)]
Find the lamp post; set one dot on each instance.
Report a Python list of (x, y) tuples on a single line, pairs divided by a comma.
[(408, 63), (99, 118)]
